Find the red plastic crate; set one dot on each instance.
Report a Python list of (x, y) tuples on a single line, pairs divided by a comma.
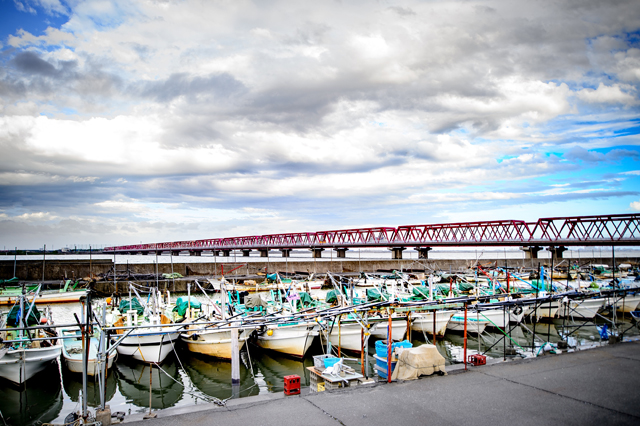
[(477, 359), (292, 385)]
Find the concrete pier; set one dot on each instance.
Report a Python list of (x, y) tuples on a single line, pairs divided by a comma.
[(588, 387)]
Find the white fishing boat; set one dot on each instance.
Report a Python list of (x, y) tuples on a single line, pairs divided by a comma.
[(24, 358), (11, 295), (544, 309), (72, 353), (587, 308), (346, 334), (475, 323), (212, 342), (290, 339), (153, 337), (501, 318), (627, 304), (146, 344), (398, 327), (423, 321)]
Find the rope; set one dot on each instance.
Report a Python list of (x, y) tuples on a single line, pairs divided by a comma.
[(212, 399)]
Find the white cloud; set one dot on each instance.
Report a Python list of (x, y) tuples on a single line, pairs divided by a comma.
[(607, 94)]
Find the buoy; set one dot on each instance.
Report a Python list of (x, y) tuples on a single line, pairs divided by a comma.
[(269, 332), (108, 300)]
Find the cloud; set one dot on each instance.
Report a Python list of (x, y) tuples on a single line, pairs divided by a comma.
[(158, 115), (635, 206), (607, 94)]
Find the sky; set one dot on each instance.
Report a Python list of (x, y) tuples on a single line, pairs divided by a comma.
[(147, 120)]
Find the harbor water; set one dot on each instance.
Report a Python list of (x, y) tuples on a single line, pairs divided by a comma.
[(186, 379)]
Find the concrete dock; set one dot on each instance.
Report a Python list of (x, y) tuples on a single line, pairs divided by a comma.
[(588, 387)]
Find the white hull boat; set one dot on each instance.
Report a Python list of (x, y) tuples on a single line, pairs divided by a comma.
[(628, 304), (474, 325), (398, 328), (545, 309), (346, 335), (148, 345), (290, 339), (423, 322), (72, 354), (587, 308), (19, 365), (501, 318), (215, 343)]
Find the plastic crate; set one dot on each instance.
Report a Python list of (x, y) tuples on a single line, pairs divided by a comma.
[(292, 385), (477, 359), (330, 362), (318, 361), (381, 347)]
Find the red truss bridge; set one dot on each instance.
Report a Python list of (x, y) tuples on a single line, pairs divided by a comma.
[(555, 233)]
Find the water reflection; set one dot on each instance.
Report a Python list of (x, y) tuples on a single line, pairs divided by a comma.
[(272, 368), (213, 377), (133, 383), (72, 383), (37, 401)]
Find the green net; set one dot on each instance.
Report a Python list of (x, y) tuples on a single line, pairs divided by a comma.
[(135, 305), (13, 319), (182, 304)]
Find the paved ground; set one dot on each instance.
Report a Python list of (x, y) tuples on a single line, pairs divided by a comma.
[(597, 386)]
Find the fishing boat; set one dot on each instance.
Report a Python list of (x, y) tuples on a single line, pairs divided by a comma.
[(581, 309), (345, 334), (68, 294), (423, 321), (72, 353), (288, 338), (25, 357), (153, 337), (628, 303), (475, 323), (208, 333)]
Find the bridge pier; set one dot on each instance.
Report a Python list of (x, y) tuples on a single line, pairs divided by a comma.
[(286, 252), (317, 252), (175, 252), (264, 252), (341, 252), (195, 253), (226, 253), (531, 252), (423, 252), (246, 252), (556, 252), (397, 252)]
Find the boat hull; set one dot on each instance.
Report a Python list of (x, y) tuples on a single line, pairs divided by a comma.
[(148, 347), (19, 365), (474, 325), (587, 308), (423, 322), (215, 343), (628, 304), (292, 340), (398, 329), (347, 336)]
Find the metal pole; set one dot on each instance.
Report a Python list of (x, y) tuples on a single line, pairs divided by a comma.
[(235, 356), (44, 255), (389, 335), (90, 274), (361, 349), (15, 260), (465, 338), (365, 346), (105, 358)]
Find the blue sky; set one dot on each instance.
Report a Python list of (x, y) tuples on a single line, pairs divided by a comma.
[(128, 121)]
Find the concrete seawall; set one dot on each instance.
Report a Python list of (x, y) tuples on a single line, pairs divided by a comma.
[(57, 270)]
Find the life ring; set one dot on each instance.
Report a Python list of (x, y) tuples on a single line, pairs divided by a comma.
[(517, 310)]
